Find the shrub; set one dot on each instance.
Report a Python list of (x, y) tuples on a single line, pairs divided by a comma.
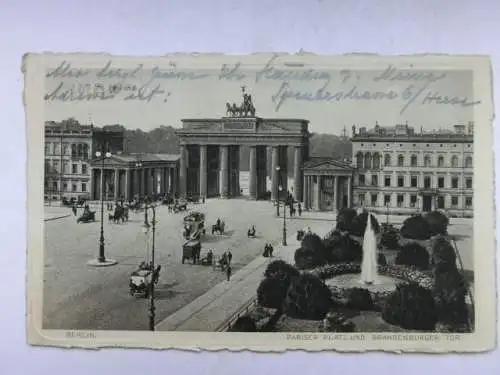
[(381, 259), (359, 298), (312, 252), (345, 219), (416, 228), (359, 225), (279, 269), (271, 293), (312, 241), (343, 249), (244, 324), (307, 298), (438, 222), (305, 258), (413, 254), (449, 292), (411, 307), (443, 254), (390, 238)]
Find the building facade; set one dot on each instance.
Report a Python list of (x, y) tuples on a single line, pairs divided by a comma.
[(209, 162), (129, 175), (69, 150), (327, 184), (400, 171)]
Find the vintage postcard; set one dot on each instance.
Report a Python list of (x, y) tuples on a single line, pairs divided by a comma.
[(263, 202)]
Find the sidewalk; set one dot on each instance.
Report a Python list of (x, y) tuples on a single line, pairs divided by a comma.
[(211, 310)]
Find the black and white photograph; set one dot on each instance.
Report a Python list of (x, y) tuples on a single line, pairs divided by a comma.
[(261, 198)]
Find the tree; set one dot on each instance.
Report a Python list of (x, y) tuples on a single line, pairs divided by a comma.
[(416, 228), (413, 254), (438, 222), (307, 298)]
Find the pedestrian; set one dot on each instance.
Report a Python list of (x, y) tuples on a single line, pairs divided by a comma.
[(228, 273), (74, 210), (229, 256), (299, 208), (271, 249)]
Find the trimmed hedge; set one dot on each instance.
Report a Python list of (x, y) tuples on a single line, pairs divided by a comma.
[(312, 252), (390, 237), (273, 288), (449, 294), (416, 228), (411, 307), (443, 254), (342, 248), (413, 254), (345, 219), (438, 222), (307, 298)]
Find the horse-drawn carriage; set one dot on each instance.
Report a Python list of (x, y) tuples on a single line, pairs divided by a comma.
[(142, 279), (194, 225), (86, 217), (178, 206), (191, 250), (219, 227)]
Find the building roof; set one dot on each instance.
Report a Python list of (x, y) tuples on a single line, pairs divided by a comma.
[(129, 159), (326, 163)]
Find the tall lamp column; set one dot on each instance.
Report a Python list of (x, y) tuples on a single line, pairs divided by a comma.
[(101, 260)]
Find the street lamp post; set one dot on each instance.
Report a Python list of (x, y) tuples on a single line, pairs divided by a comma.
[(146, 221), (278, 197), (152, 307), (284, 217), (101, 260)]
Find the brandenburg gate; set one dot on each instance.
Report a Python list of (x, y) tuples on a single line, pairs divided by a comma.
[(209, 163)]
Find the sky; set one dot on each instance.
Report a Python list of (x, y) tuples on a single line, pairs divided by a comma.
[(274, 86)]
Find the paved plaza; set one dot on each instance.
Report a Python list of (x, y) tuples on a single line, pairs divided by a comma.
[(77, 296)]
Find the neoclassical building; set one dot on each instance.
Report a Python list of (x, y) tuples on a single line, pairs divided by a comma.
[(402, 171), (128, 175), (209, 162)]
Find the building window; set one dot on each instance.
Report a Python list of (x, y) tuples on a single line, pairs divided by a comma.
[(441, 161), (361, 179), (401, 181), (65, 187), (374, 180), (73, 187), (454, 161), (400, 200), (468, 183), (440, 182), (47, 148), (401, 161), (376, 161), (74, 168), (57, 149), (66, 167), (468, 202), (54, 186), (368, 161), (427, 161), (73, 151), (84, 187), (84, 168), (56, 166), (387, 200), (85, 151), (414, 161), (413, 200), (359, 160), (427, 182), (454, 201), (374, 200), (414, 181), (65, 149), (440, 202), (468, 162), (387, 160), (361, 199), (387, 181), (454, 182), (80, 150)]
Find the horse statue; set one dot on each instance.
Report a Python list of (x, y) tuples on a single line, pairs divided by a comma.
[(247, 108)]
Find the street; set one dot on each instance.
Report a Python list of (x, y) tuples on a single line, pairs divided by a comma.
[(77, 296)]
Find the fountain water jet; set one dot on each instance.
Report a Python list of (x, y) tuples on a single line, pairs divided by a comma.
[(369, 262)]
